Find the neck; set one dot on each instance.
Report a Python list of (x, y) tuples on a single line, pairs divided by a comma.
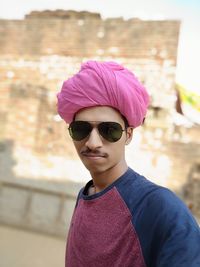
[(103, 179)]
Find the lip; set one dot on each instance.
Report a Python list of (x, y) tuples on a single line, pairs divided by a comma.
[(93, 156)]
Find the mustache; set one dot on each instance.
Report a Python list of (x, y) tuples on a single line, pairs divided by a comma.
[(94, 153)]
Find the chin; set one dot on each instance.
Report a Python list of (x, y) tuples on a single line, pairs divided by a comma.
[(96, 169)]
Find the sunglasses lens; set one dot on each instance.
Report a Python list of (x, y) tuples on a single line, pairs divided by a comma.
[(111, 131), (79, 130)]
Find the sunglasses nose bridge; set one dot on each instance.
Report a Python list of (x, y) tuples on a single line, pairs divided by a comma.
[(94, 139)]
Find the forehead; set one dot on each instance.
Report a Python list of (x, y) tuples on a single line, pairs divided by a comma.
[(99, 113)]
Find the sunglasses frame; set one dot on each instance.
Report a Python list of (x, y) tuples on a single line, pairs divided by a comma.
[(98, 126)]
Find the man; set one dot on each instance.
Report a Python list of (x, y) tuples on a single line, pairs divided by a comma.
[(121, 219)]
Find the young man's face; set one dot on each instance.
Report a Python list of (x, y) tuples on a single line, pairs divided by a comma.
[(97, 154)]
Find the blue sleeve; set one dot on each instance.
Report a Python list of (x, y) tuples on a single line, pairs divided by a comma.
[(175, 236)]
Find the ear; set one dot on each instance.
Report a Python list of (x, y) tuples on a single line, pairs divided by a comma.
[(129, 135)]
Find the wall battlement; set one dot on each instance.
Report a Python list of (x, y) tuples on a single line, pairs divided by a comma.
[(86, 34)]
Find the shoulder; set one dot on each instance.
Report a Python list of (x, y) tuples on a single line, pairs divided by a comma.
[(167, 206), (148, 201), (174, 230), (136, 190), (163, 223)]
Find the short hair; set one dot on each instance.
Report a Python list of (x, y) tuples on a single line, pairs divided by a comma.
[(125, 121)]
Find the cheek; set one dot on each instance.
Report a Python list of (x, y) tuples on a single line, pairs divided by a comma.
[(78, 146), (118, 149)]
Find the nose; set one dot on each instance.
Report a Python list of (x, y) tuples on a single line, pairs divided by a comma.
[(94, 140)]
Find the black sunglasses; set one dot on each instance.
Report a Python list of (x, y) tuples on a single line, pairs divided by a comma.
[(110, 131)]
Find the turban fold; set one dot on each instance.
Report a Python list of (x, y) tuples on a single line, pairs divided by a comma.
[(104, 84)]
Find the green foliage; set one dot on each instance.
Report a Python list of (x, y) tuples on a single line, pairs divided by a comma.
[(189, 97)]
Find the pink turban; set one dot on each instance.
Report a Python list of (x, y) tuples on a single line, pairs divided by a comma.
[(104, 84)]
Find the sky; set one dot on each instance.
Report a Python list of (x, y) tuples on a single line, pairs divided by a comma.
[(188, 11)]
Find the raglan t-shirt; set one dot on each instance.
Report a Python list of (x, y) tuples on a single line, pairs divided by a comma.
[(132, 223)]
